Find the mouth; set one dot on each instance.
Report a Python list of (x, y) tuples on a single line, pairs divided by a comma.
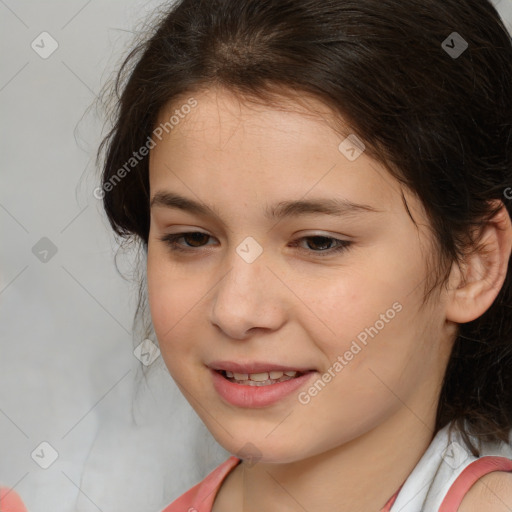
[(261, 378), (257, 384)]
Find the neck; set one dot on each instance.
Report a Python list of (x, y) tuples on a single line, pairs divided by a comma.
[(362, 474)]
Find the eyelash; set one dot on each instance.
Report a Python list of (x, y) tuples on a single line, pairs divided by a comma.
[(171, 241)]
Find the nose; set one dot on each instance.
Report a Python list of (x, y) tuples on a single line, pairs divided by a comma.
[(249, 297)]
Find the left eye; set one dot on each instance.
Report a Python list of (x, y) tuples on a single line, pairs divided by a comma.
[(334, 244), (194, 239)]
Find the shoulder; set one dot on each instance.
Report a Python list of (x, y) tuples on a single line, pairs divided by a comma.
[(492, 493)]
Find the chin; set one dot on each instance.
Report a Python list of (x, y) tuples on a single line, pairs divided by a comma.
[(252, 451)]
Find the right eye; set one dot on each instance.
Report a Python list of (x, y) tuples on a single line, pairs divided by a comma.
[(193, 239)]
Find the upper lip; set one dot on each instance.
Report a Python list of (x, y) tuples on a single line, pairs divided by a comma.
[(254, 367)]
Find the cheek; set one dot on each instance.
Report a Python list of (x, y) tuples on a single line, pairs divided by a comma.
[(343, 309), (372, 317), (171, 299)]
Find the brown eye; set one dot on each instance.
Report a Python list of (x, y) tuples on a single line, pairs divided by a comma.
[(319, 242), (194, 239), (323, 245)]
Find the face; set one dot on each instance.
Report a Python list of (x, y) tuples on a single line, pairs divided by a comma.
[(338, 294)]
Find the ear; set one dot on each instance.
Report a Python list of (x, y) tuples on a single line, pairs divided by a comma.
[(473, 288)]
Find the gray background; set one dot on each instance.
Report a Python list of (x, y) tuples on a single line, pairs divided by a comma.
[(67, 371)]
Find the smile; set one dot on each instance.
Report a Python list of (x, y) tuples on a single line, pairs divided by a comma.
[(262, 389), (260, 379)]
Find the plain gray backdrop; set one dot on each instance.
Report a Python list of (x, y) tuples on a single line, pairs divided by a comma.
[(68, 375)]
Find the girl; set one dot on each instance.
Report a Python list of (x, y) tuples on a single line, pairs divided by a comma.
[(322, 192)]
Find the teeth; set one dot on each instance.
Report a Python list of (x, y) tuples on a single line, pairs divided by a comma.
[(260, 377)]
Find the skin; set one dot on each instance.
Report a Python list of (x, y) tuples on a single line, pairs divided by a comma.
[(354, 444), (492, 492)]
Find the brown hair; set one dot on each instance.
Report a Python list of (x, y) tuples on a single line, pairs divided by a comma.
[(437, 114)]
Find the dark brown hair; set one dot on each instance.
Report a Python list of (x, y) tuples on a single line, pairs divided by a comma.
[(440, 121)]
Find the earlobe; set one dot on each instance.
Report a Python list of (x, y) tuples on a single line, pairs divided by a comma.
[(474, 286)]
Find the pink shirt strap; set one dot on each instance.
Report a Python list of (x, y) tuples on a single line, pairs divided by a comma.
[(10, 501), (389, 504), (471, 474)]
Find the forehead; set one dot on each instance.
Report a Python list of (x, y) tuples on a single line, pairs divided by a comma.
[(224, 125), (219, 104), (256, 150)]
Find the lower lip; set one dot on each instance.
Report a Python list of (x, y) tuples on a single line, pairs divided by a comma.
[(243, 395)]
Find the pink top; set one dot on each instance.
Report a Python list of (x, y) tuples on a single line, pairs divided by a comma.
[(200, 498)]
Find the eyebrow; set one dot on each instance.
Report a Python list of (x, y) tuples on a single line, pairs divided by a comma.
[(326, 206)]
